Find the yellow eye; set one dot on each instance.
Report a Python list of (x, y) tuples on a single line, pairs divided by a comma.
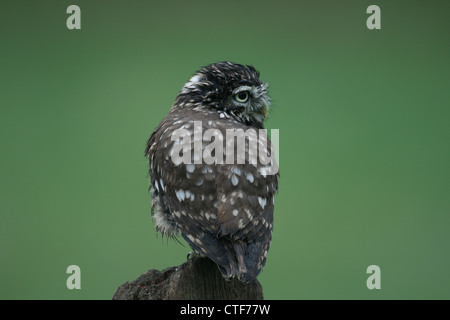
[(242, 97)]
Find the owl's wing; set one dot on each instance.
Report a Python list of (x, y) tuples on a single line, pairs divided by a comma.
[(223, 211), (246, 197), (184, 196)]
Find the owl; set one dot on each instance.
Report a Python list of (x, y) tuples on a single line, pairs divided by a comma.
[(207, 182)]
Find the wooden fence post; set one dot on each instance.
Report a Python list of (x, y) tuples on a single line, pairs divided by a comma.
[(196, 279)]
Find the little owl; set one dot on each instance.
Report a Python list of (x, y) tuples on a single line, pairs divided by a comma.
[(222, 208)]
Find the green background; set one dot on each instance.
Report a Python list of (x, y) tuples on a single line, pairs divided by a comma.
[(363, 117)]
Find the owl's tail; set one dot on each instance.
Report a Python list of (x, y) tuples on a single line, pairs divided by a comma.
[(234, 258), (245, 260)]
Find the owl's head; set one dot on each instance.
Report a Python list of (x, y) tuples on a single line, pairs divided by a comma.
[(227, 87)]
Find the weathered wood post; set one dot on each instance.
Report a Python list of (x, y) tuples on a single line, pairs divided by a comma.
[(196, 279)]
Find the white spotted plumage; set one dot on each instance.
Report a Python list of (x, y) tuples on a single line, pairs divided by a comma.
[(224, 211)]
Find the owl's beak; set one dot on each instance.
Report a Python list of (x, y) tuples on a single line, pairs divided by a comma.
[(262, 108), (265, 108)]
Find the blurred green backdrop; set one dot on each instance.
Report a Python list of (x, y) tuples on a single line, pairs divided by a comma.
[(364, 140)]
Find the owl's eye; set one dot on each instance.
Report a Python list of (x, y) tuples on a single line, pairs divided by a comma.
[(242, 97)]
